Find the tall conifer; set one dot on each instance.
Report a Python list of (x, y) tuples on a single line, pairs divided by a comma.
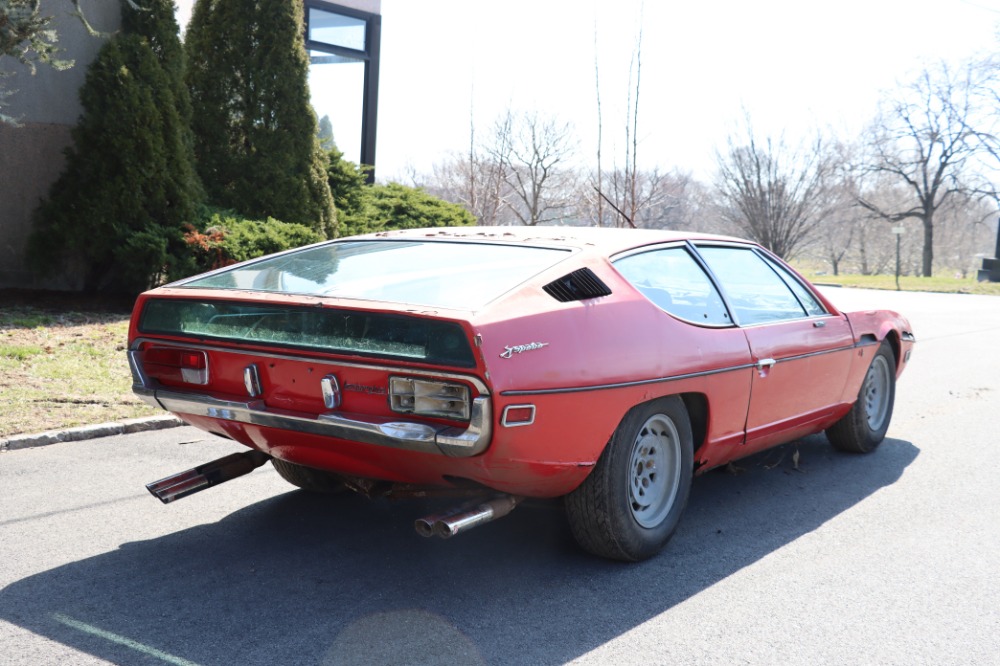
[(116, 214), (254, 127)]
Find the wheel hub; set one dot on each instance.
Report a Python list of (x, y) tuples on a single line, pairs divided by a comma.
[(876, 392), (654, 471)]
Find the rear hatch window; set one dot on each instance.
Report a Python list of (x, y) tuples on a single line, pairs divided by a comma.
[(442, 274), (336, 331)]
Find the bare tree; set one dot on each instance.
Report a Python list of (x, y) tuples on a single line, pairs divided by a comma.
[(875, 253), (628, 192), (924, 141), (521, 174), (472, 180), (475, 179), (772, 193), (533, 154), (598, 200)]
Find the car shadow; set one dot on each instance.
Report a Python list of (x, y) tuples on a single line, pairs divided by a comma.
[(307, 579)]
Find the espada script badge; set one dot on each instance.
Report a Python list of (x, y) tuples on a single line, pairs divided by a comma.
[(520, 349)]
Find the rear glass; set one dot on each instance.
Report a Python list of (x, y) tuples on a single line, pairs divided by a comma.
[(425, 273), (337, 331)]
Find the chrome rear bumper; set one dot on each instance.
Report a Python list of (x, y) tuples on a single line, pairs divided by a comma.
[(409, 435)]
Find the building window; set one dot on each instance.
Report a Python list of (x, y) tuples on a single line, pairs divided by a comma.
[(343, 46), (336, 29)]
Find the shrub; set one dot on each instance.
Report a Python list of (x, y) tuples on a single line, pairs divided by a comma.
[(396, 206), (223, 238)]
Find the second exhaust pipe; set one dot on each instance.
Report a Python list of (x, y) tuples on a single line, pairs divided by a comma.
[(449, 524)]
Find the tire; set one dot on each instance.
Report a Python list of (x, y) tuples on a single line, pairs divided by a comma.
[(629, 506), (863, 428), (307, 478)]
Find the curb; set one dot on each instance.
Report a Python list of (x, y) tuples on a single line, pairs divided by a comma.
[(126, 427)]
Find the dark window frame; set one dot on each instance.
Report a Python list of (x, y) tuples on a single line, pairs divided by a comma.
[(370, 57), (692, 252), (774, 264)]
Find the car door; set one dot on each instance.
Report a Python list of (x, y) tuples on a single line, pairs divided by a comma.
[(675, 281), (802, 352)]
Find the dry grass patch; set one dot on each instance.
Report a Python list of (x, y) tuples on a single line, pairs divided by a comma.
[(59, 370)]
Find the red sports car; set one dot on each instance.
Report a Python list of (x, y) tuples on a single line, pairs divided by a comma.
[(604, 366)]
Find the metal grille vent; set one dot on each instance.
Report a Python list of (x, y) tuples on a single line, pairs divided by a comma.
[(577, 286)]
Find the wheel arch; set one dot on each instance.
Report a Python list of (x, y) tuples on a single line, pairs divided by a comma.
[(892, 336), (697, 409), (696, 405)]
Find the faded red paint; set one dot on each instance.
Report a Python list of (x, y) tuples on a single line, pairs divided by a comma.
[(565, 355)]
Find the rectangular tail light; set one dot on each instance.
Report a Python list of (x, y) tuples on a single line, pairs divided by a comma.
[(175, 364), (425, 397)]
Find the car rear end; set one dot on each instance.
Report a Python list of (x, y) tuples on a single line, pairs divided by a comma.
[(359, 359)]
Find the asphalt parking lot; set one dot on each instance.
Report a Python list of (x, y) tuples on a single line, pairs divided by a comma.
[(891, 558)]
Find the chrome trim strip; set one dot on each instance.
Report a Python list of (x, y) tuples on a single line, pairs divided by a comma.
[(638, 382), (672, 378), (820, 353), (408, 435), (472, 379)]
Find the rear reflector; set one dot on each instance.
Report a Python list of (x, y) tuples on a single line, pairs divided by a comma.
[(518, 415)]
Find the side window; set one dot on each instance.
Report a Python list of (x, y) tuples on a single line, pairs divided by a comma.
[(808, 301), (756, 293), (674, 281)]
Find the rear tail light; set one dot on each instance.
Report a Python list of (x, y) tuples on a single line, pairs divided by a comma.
[(429, 398), (174, 364)]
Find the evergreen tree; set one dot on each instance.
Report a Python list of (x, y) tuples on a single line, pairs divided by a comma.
[(255, 130), (395, 206), (325, 135), (347, 183), (115, 215)]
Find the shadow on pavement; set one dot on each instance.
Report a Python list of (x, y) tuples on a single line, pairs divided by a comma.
[(301, 579)]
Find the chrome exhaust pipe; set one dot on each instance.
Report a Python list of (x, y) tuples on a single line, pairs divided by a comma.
[(425, 525), (207, 475), (449, 524)]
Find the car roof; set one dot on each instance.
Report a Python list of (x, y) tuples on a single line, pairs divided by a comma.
[(604, 240)]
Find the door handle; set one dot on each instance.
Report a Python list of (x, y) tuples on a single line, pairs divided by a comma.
[(764, 366)]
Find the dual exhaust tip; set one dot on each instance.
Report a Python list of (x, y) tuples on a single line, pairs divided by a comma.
[(444, 525), (450, 523)]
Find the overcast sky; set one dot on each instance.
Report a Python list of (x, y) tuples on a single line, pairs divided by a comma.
[(792, 64)]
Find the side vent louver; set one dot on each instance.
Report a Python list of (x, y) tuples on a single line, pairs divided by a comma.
[(577, 286)]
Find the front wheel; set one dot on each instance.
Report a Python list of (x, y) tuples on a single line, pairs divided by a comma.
[(863, 428), (630, 504)]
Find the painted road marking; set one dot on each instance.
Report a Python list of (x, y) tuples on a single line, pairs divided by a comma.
[(121, 640)]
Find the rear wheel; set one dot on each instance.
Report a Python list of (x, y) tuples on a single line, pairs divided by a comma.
[(863, 428), (307, 478), (629, 506)]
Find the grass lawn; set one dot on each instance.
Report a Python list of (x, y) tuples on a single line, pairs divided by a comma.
[(937, 283), (63, 369), (62, 362)]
